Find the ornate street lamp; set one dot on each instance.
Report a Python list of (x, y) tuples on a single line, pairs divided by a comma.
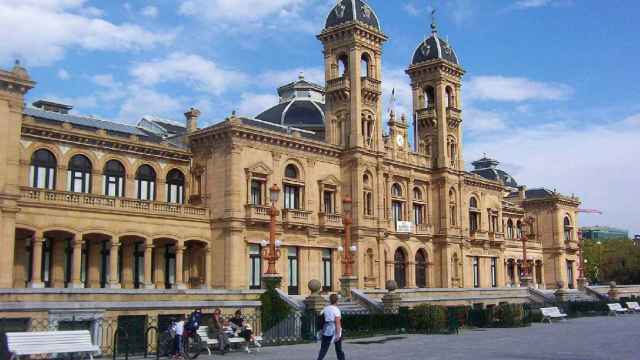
[(271, 253), (347, 281), (582, 281), (527, 229)]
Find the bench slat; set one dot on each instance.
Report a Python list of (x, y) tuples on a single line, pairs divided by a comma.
[(49, 342)]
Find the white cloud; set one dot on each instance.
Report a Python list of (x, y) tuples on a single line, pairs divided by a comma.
[(203, 74), (481, 121), (63, 74), (140, 100), (398, 80), (253, 104), (412, 9), (105, 80), (238, 11), (276, 78), (150, 11), (597, 163), (633, 120), (514, 89), (532, 3), (62, 24)]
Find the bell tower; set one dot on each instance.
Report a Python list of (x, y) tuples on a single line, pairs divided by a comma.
[(436, 77), (352, 41)]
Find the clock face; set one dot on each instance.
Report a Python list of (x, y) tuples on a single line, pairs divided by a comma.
[(400, 140)]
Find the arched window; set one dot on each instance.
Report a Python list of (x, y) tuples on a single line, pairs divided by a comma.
[(79, 174), (453, 210), (418, 207), (146, 183), (397, 205), (367, 194), (421, 269), (567, 229), (451, 101), (365, 66), (175, 187), (400, 268), (42, 173), (417, 194), (510, 229), (429, 97), (292, 188), (396, 190), (519, 229), (474, 215), (367, 123), (113, 178), (343, 65)]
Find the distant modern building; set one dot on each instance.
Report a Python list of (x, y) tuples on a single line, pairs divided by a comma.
[(604, 233), (636, 240)]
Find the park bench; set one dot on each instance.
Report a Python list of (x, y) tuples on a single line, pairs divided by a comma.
[(233, 341), (50, 342), (633, 306), (616, 308), (551, 313)]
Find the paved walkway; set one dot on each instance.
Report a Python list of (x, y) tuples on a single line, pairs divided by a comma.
[(577, 339)]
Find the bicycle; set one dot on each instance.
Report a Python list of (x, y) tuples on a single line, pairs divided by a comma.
[(192, 344)]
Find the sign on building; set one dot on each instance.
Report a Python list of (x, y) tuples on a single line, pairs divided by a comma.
[(404, 226)]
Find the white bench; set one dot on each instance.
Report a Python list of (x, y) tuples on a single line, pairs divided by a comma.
[(204, 336), (551, 313), (50, 342), (633, 306), (616, 308)]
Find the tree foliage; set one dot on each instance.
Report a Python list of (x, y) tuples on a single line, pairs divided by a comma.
[(612, 260)]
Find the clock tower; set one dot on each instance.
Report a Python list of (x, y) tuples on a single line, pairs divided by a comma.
[(398, 136)]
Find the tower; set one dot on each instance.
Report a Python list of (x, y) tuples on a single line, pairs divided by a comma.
[(352, 41), (436, 77)]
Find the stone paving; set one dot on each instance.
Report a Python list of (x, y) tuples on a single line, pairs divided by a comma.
[(615, 338)]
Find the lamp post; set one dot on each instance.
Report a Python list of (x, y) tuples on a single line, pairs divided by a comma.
[(271, 251), (582, 281), (526, 277), (347, 281)]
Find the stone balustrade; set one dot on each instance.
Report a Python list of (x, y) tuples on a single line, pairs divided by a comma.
[(296, 217), (370, 84), (330, 220), (91, 201), (338, 84)]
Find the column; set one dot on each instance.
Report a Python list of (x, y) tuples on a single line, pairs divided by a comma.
[(114, 282), (179, 268), (76, 264), (36, 270), (381, 263), (208, 261), (128, 247), (58, 248), (148, 270), (95, 263), (160, 266), (411, 274)]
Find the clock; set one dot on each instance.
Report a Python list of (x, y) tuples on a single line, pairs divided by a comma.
[(400, 140)]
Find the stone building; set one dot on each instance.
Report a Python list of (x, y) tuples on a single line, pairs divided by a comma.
[(157, 209)]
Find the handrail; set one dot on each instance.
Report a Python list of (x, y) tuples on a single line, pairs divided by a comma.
[(367, 301), (599, 295)]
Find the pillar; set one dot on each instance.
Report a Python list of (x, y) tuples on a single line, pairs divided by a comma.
[(128, 247), (76, 264), (57, 263), (94, 249), (381, 263), (160, 266), (179, 267), (114, 282), (36, 270), (148, 270), (411, 274), (208, 260)]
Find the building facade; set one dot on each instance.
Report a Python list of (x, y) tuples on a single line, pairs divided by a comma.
[(93, 204), (603, 233)]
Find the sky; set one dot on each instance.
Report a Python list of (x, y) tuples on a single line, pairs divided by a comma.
[(551, 87)]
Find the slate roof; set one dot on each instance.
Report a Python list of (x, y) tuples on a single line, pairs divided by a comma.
[(85, 121), (352, 10), (258, 123), (487, 168), (434, 47)]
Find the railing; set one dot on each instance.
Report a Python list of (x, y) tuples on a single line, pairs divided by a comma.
[(426, 113), (330, 220), (258, 212), (297, 217), (424, 229), (371, 84), (453, 113), (341, 83), (31, 195)]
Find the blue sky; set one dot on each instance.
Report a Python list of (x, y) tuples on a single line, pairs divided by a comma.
[(551, 88)]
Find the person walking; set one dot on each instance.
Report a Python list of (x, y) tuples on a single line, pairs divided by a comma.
[(332, 329)]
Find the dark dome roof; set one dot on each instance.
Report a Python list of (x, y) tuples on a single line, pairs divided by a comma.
[(434, 47), (352, 10), (487, 168)]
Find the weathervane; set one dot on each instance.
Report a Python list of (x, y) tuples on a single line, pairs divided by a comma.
[(433, 20)]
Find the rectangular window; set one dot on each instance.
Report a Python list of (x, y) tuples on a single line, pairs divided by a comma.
[(397, 211), (473, 221), (255, 267), (256, 192), (138, 265), (146, 190), (494, 272), (476, 271), (368, 203), (418, 214), (291, 197), (329, 198), (47, 251), (114, 186), (170, 267), (105, 253), (494, 223), (292, 255), (327, 273), (174, 194), (570, 278)]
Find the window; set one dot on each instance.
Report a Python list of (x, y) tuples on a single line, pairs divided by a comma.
[(509, 229), (418, 214), (400, 268), (519, 230), (493, 224), (170, 267), (146, 183), (453, 211), (255, 267), (511, 271), (79, 174), (570, 278), (429, 98), (367, 195), (365, 66), (450, 98), (475, 261), (329, 199), (113, 178), (343, 65), (291, 197), (396, 207), (494, 272), (567, 229), (291, 172), (138, 265), (292, 256), (257, 186), (42, 174), (105, 252), (417, 194), (367, 129), (421, 269), (327, 270), (47, 253), (175, 187), (474, 215), (396, 190)]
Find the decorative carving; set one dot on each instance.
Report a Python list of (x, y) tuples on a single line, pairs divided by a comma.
[(366, 11), (340, 9)]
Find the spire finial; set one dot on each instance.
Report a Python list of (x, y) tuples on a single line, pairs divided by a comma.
[(434, 26), (301, 75), (17, 62)]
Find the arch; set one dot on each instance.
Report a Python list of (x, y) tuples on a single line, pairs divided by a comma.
[(175, 181), (450, 97), (299, 167), (510, 229), (396, 190), (43, 169), (568, 228), (473, 202), (429, 97), (400, 267), (366, 65), (342, 63), (453, 207), (146, 178), (291, 172), (114, 178), (421, 261), (98, 231), (518, 229), (417, 194)]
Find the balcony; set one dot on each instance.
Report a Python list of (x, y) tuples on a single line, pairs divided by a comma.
[(495, 237), (454, 117), (257, 213), (371, 88), (296, 218), (339, 88), (63, 199), (423, 229), (426, 116), (333, 221)]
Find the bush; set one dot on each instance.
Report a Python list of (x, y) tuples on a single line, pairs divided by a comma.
[(274, 309), (458, 315), (509, 315), (585, 308), (481, 318), (428, 319)]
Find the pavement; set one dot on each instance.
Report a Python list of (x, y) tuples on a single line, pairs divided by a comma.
[(597, 338)]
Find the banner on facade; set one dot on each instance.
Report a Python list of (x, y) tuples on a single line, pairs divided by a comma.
[(404, 226)]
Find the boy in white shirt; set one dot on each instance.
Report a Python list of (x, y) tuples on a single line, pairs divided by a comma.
[(332, 329), (178, 328)]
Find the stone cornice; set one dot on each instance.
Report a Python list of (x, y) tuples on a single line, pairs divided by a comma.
[(85, 138), (353, 28), (434, 65), (484, 184)]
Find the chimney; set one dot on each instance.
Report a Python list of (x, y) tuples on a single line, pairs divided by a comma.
[(522, 192), (53, 106), (192, 120)]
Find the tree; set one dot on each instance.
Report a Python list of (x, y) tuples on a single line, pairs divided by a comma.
[(612, 260)]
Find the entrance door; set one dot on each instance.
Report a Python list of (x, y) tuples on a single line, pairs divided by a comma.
[(131, 333), (400, 269)]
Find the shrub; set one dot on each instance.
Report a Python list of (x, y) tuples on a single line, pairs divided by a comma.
[(509, 315), (459, 315), (585, 308), (274, 309), (429, 319)]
